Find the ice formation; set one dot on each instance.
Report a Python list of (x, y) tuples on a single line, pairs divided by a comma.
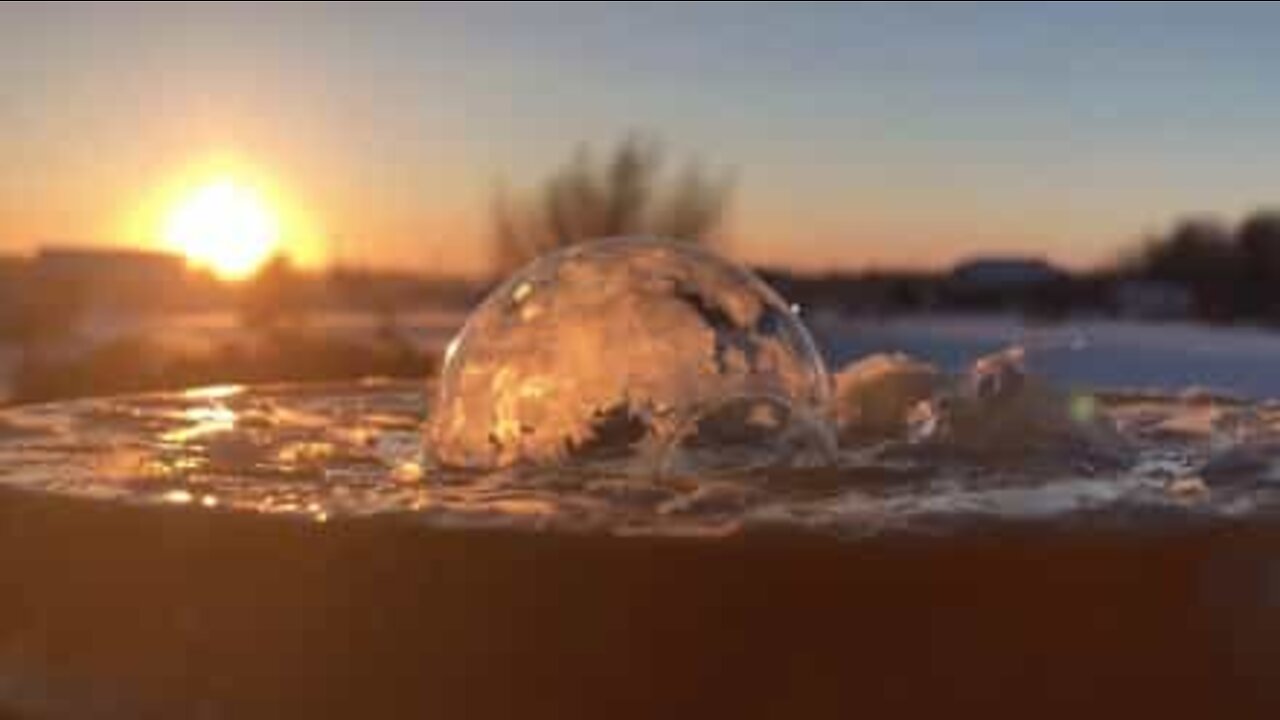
[(875, 396), (997, 411), (645, 349), (1000, 412), (663, 356)]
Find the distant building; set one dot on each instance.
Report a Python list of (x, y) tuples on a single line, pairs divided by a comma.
[(1004, 273), (1028, 285), (111, 279)]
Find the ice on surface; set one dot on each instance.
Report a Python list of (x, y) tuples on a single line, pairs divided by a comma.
[(326, 452), (876, 395), (1005, 436), (996, 411), (634, 347), (1000, 411)]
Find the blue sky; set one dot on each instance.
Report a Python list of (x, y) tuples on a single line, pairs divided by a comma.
[(861, 134)]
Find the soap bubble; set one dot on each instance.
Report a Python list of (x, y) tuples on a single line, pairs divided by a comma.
[(651, 352)]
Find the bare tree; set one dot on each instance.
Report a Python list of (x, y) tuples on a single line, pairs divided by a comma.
[(626, 194)]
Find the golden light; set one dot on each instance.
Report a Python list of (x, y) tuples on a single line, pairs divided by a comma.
[(224, 226)]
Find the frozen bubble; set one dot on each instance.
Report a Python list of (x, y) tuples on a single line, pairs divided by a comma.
[(650, 351)]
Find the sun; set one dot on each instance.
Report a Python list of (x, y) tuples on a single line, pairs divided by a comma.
[(225, 226)]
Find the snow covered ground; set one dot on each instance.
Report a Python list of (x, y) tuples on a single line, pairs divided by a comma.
[(1093, 353)]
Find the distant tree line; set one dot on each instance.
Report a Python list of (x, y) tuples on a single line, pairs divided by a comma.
[(1218, 272), (1231, 272), (887, 293)]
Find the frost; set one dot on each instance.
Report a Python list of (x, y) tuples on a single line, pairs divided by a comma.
[(633, 348), (1188, 488), (876, 395), (998, 411)]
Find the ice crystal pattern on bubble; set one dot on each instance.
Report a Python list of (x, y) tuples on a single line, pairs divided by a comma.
[(636, 348)]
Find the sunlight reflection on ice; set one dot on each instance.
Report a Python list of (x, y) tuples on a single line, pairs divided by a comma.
[(326, 452), (213, 392), (203, 420)]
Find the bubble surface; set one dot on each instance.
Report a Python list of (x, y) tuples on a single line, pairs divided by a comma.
[(649, 351)]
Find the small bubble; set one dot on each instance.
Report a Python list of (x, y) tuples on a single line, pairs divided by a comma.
[(179, 497), (1083, 408), (408, 472), (1188, 488)]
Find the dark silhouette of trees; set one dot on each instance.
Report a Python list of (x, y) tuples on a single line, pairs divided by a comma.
[(625, 193), (1230, 273), (1259, 247), (1199, 255)]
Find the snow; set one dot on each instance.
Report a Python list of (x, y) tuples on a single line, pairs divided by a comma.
[(1085, 354)]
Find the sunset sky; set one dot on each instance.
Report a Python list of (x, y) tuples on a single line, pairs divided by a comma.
[(861, 134)]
